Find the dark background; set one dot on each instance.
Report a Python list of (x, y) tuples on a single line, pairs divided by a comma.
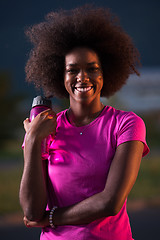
[(140, 19)]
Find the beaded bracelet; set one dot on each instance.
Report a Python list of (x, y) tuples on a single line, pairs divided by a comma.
[(51, 217)]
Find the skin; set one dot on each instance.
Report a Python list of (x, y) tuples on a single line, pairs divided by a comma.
[(33, 183), (82, 70)]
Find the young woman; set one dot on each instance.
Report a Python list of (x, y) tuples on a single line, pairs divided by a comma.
[(80, 191)]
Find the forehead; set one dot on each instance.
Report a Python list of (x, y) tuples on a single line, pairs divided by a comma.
[(81, 55)]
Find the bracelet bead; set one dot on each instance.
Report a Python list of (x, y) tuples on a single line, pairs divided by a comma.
[(51, 217)]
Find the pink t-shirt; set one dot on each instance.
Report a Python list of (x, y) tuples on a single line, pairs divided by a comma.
[(78, 166)]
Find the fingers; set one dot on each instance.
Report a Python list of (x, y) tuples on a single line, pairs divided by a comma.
[(30, 223), (49, 113), (26, 222), (43, 124), (26, 121), (42, 223)]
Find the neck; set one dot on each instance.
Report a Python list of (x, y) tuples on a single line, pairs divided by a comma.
[(83, 114)]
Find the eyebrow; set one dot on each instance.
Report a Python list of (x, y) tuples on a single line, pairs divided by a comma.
[(76, 64)]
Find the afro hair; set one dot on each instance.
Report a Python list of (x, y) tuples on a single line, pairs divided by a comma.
[(86, 26)]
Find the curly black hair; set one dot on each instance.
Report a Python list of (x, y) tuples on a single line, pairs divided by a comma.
[(87, 26)]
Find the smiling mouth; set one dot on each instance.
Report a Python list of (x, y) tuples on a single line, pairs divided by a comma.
[(83, 89)]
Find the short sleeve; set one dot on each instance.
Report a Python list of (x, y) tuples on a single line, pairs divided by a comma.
[(132, 128)]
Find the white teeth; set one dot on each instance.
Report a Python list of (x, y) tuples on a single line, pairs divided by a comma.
[(84, 89)]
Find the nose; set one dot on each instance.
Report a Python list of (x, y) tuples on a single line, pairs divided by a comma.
[(82, 76)]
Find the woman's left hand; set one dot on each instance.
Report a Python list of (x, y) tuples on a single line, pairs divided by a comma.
[(43, 223)]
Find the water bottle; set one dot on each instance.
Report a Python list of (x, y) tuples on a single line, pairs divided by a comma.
[(40, 104)]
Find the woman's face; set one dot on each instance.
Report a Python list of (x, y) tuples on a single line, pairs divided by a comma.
[(83, 77)]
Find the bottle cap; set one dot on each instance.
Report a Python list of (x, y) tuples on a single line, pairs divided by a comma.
[(39, 100)]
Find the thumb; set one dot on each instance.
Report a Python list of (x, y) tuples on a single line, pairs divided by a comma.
[(26, 122)]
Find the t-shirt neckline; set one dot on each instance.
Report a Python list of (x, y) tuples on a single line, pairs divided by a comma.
[(87, 125)]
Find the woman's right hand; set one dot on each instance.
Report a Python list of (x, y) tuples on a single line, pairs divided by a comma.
[(42, 125)]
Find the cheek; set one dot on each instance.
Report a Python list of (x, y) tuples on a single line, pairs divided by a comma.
[(68, 83), (65, 85), (100, 80), (66, 80)]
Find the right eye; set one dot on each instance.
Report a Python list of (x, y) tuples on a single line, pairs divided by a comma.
[(72, 70)]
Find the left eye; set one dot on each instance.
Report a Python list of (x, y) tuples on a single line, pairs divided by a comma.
[(93, 69)]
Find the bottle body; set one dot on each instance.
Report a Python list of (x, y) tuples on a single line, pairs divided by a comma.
[(36, 110), (41, 104)]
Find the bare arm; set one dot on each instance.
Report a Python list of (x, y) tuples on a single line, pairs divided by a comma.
[(33, 193), (121, 178), (122, 175)]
